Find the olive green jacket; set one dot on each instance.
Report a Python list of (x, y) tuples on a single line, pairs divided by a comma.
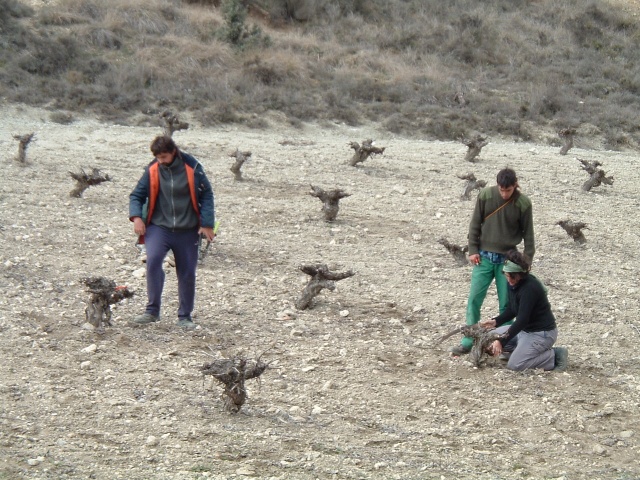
[(498, 225)]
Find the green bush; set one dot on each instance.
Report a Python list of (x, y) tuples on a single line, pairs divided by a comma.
[(235, 30)]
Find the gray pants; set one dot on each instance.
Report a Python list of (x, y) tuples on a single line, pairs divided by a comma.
[(531, 349)]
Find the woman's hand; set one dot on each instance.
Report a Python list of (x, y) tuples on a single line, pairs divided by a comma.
[(489, 323), (496, 348)]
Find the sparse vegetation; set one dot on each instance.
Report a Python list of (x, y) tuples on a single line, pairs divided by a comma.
[(524, 67)]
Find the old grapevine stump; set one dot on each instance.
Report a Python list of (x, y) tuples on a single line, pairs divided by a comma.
[(472, 184), (330, 201), (104, 293), (232, 373), (172, 123), (321, 278), (240, 157), (574, 230), (24, 141), (458, 252), (482, 339), (364, 151), (474, 146), (566, 134), (597, 175), (85, 180)]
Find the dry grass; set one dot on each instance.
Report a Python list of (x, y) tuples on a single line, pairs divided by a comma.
[(524, 67)]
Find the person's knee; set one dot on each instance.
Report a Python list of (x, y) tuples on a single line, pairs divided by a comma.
[(516, 366), (155, 259)]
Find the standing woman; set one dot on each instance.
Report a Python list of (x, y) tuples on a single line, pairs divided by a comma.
[(531, 337)]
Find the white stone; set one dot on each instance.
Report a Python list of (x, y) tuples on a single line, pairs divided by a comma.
[(139, 272), (344, 313), (85, 365), (90, 349), (152, 441), (246, 472)]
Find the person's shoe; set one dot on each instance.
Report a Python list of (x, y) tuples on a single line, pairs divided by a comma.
[(186, 324), (505, 356), (562, 358), (459, 350), (145, 319)]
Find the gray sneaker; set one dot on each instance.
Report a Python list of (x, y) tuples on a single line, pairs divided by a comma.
[(186, 324), (562, 358), (459, 350), (145, 319)]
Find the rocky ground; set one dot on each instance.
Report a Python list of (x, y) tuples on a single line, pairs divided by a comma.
[(357, 387)]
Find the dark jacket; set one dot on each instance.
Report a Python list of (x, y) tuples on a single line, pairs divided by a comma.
[(529, 304), (506, 228), (145, 195)]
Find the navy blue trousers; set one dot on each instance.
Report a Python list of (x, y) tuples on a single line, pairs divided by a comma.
[(184, 245)]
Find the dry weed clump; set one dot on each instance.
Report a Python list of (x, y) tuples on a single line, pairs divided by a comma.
[(103, 38), (93, 10), (54, 16), (149, 17), (201, 22), (50, 54), (275, 68)]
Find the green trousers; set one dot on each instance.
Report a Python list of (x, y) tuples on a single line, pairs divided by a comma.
[(481, 277)]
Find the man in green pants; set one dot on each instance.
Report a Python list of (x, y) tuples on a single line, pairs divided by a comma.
[(502, 218)]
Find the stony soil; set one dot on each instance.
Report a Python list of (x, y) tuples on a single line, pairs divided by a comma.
[(357, 387)]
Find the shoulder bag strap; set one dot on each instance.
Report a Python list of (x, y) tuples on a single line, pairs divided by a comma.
[(498, 209)]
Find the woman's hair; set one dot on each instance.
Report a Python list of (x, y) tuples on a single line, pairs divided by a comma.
[(519, 259), (162, 144)]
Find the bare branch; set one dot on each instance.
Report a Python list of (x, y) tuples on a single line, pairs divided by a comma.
[(240, 157), (474, 146), (85, 180), (458, 252), (364, 151), (104, 293), (472, 184), (598, 176), (321, 278), (567, 135), (330, 201), (232, 373), (172, 123), (482, 339), (574, 229), (22, 147)]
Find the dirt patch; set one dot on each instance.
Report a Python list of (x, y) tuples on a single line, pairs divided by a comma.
[(355, 386)]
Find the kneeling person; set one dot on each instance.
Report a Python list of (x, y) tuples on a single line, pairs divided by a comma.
[(531, 337)]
